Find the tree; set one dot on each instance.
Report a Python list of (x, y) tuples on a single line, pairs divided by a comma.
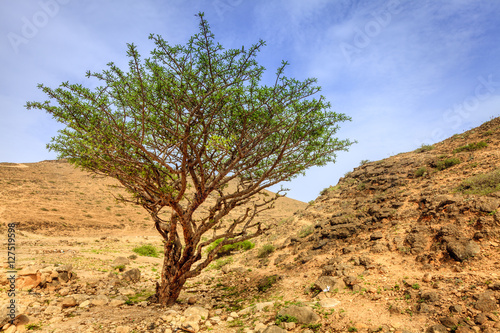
[(179, 126)]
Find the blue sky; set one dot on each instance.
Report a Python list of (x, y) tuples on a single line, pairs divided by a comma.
[(407, 72)]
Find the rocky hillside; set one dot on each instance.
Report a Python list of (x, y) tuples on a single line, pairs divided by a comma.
[(407, 244)]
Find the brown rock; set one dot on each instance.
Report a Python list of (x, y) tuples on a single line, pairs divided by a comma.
[(68, 302)]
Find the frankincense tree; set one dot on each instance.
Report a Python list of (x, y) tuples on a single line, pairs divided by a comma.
[(178, 126)]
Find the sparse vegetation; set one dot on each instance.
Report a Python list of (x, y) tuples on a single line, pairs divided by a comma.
[(421, 172), (447, 163), (481, 184), (424, 148), (226, 250), (265, 250), (471, 147), (363, 162), (305, 231), (147, 251)]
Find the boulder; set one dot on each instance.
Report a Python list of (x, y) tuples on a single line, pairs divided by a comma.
[(132, 275), (120, 261), (486, 302), (29, 281), (329, 283), (274, 329), (69, 302), (100, 300), (196, 311), (304, 314), (461, 250)]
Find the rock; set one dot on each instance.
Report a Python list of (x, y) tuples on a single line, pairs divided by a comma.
[(52, 310), (486, 302), (437, 329), (28, 281), (304, 314), (132, 275), (480, 319), (274, 329), (11, 329), (329, 303), (191, 300), (449, 322), (462, 250), (64, 292), (100, 300), (260, 327), (84, 304), (123, 329), (289, 326), (267, 282), (457, 308), (197, 311), (429, 295), (329, 283), (30, 270), (120, 261), (21, 320), (116, 302), (377, 235), (64, 268), (487, 205), (68, 302)]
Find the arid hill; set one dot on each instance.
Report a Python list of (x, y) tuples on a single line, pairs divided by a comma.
[(407, 244)]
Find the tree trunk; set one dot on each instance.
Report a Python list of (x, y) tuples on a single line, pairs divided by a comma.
[(168, 292)]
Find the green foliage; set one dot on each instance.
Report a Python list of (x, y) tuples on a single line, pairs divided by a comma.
[(363, 162), (481, 184), (33, 327), (421, 172), (305, 231), (471, 147), (227, 249), (424, 148), (447, 163), (219, 263), (285, 319), (265, 250), (147, 251)]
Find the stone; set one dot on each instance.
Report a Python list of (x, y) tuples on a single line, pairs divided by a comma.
[(11, 329), (132, 275), (64, 268), (29, 281), (480, 319), (267, 282), (197, 311), (52, 310), (429, 295), (68, 302), (274, 329), (329, 303), (64, 292), (84, 304), (289, 326), (437, 329), (304, 314), (123, 329), (486, 302), (449, 322), (100, 300), (116, 302), (462, 250), (120, 261), (21, 320), (377, 235), (30, 270), (329, 283), (457, 308), (191, 300)]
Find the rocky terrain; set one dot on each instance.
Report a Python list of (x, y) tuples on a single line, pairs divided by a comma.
[(407, 244)]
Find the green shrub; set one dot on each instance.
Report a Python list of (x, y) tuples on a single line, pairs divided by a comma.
[(424, 148), (447, 163), (306, 231), (363, 162), (481, 184), (285, 319), (219, 263), (265, 250), (227, 249), (471, 147), (421, 172), (147, 251)]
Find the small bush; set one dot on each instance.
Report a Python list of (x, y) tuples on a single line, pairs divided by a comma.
[(471, 147), (447, 163), (227, 249), (305, 231), (481, 184), (363, 162), (219, 263), (285, 319), (265, 250), (147, 251), (421, 172), (424, 148)]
